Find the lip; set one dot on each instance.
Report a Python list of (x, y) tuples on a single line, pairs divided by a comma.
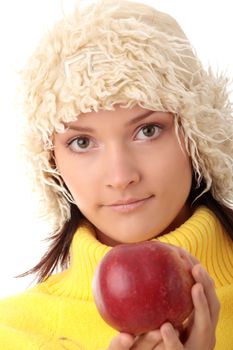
[(129, 204)]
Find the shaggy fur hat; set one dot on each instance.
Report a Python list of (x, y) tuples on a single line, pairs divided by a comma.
[(120, 52)]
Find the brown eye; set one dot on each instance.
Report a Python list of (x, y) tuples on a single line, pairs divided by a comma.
[(83, 142), (150, 131)]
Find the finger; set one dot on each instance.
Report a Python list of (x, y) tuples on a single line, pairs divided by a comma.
[(202, 329), (148, 341), (202, 315), (122, 341), (170, 337), (207, 282)]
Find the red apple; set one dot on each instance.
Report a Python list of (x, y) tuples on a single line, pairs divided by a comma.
[(139, 286)]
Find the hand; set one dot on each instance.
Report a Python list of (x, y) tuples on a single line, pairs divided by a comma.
[(200, 331)]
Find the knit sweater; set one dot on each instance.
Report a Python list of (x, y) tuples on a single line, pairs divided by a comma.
[(60, 313)]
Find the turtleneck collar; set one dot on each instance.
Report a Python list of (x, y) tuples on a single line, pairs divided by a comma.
[(200, 235)]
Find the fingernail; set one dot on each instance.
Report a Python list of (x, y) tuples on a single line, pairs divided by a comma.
[(202, 271)]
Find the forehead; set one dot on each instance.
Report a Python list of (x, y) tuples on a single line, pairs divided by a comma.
[(124, 116), (117, 110)]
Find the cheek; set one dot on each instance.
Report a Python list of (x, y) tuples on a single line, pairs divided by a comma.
[(180, 176), (78, 182), (72, 176), (179, 163), (171, 169), (83, 187), (180, 166)]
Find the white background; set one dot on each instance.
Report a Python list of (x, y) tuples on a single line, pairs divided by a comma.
[(208, 25)]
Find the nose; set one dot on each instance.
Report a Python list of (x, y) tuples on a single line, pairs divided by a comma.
[(122, 169)]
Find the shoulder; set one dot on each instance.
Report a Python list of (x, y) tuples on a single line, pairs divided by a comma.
[(25, 308)]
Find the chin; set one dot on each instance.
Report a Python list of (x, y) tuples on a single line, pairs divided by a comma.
[(135, 230)]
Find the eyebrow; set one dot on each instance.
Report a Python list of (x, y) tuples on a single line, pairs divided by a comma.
[(129, 123)]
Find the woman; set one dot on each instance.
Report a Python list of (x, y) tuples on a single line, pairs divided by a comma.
[(129, 139)]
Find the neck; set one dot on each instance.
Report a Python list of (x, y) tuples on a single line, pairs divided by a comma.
[(184, 214)]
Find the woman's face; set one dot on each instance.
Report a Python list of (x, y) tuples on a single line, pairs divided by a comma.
[(127, 172)]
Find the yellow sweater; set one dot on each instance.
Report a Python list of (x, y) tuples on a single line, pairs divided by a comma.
[(60, 313)]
